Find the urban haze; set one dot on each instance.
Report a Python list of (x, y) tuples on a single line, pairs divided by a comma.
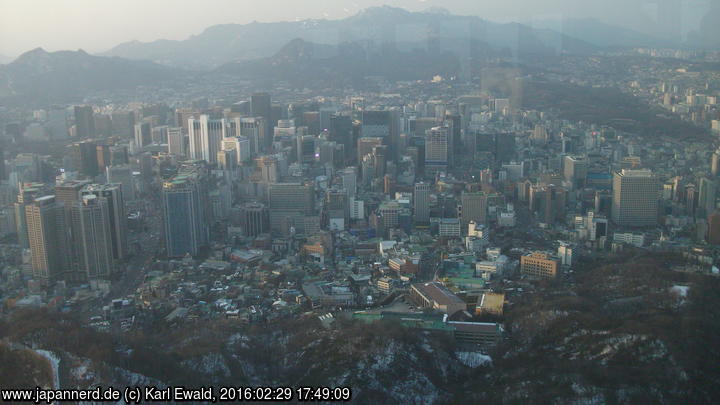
[(373, 202)]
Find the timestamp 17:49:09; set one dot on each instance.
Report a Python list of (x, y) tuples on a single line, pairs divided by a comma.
[(300, 394)]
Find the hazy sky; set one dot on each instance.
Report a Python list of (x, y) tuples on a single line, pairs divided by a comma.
[(97, 25)]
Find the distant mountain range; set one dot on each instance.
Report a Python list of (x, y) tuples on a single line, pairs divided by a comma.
[(221, 44), (64, 75), (5, 59), (301, 62), (601, 34)]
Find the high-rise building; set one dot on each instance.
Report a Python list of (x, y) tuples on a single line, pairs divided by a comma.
[(176, 141), (365, 147), (206, 137), (421, 203), (113, 196), (48, 238), (436, 149), (349, 180), (104, 157), (84, 122), (288, 202), (254, 129), (305, 148), (241, 146), (713, 236), (57, 123), (715, 163), (575, 170), (84, 158), (119, 155), (268, 166), (635, 198), (123, 124), (184, 214), (474, 208), (28, 193), (706, 198), (122, 175), (548, 202), (254, 219), (92, 237), (261, 106), (380, 159)]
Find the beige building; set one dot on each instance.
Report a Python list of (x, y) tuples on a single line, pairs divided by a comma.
[(539, 265)]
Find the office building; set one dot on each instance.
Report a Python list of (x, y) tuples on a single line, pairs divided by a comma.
[(261, 106), (437, 149), (575, 170), (92, 239), (706, 197), (254, 219), (184, 213), (289, 202), (268, 167), (421, 203), (28, 193), (365, 147), (122, 175), (348, 177), (241, 146), (84, 122), (143, 134), (635, 198), (205, 137), (113, 198), (176, 141), (46, 225), (473, 208), (539, 265), (84, 158)]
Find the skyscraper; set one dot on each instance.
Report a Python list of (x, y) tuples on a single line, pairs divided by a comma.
[(635, 198), (474, 208), (706, 200), (186, 228), (28, 193), (254, 218), (288, 202), (206, 136), (268, 166), (261, 107), (143, 134), (241, 146), (48, 239), (84, 158), (113, 198), (92, 237), (421, 203), (122, 175), (176, 141), (436, 149), (365, 147), (349, 180), (715, 163), (84, 122)]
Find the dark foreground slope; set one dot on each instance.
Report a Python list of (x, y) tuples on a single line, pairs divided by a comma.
[(621, 333)]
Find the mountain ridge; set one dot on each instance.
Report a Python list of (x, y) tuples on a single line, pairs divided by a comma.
[(220, 44)]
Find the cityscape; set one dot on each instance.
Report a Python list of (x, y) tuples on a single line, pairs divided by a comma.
[(401, 207)]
